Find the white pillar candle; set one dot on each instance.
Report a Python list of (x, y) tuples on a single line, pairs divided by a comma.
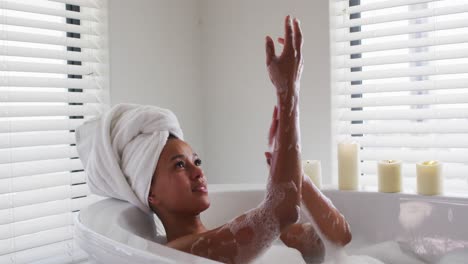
[(313, 169), (348, 166), (389, 172), (429, 178)]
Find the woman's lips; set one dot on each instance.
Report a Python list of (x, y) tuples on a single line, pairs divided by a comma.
[(201, 189)]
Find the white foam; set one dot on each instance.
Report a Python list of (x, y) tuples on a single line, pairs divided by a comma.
[(335, 254), (278, 254), (389, 252), (261, 221), (342, 258)]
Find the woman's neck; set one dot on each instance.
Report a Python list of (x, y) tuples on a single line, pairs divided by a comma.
[(177, 226)]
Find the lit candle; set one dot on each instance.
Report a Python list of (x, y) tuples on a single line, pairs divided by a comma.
[(348, 166), (429, 177), (389, 172), (313, 169)]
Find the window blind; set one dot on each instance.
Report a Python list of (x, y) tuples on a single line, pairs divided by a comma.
[(53, 77), (400, 85)]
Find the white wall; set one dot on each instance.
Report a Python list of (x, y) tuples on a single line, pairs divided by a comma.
[(239, 97), (213, 75), (154, 59)]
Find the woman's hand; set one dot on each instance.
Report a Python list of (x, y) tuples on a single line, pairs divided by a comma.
[(285, 71)]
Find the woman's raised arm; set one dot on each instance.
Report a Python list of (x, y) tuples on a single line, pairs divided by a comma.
[(245, 237)]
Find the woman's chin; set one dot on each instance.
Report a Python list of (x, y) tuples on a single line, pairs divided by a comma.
[(205, 203)]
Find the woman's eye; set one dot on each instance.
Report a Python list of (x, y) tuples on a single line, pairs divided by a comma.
[(198, 162), (180, 164)]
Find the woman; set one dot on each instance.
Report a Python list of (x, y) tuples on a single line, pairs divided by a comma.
[(137, 154), (178, 192)]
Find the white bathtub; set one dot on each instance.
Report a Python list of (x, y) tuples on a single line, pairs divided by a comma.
[(395, 228)]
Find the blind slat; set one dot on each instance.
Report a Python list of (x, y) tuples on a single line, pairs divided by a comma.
[(84, 56), (21, 184), (11, 5), (46, 254), (89, 42), (441, 127), (43, 195), (427, 141), (416, 28), (13, 126), (35, 225), (20, 169), (347, 88), (86, 69), (41, 24), (401, 44), (31, 139), (345, 76), (24, 213), (85, 83), (402, 16), (405, 114), (51, 97), (50, 110), (380, 5), (414, 57), (34, 240), (409, 155), (431, 99), (36, 153)]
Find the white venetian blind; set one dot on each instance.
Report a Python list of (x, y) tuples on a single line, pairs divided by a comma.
[(400, 84), (53, 76)]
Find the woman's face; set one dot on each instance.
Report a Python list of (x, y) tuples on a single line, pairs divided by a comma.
[(179, 185)]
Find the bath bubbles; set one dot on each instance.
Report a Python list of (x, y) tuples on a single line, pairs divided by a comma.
[(258, 228), (355, 260), (340, 257), (278, 254), (389, 252), (455, 257)]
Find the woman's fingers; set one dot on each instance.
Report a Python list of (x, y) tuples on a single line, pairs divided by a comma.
[(298, 39), (293, 38), (288, 36), (270, 50)]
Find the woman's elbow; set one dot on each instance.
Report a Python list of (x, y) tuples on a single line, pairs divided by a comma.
[(288, 217), (347, 237), (344, 237)]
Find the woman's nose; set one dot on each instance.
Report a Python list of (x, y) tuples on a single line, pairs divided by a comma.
[(197, 173)]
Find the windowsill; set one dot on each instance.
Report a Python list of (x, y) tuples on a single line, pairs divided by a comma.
[(214, 188)]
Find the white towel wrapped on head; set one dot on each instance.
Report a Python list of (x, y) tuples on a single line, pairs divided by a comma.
[(120, 150)]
